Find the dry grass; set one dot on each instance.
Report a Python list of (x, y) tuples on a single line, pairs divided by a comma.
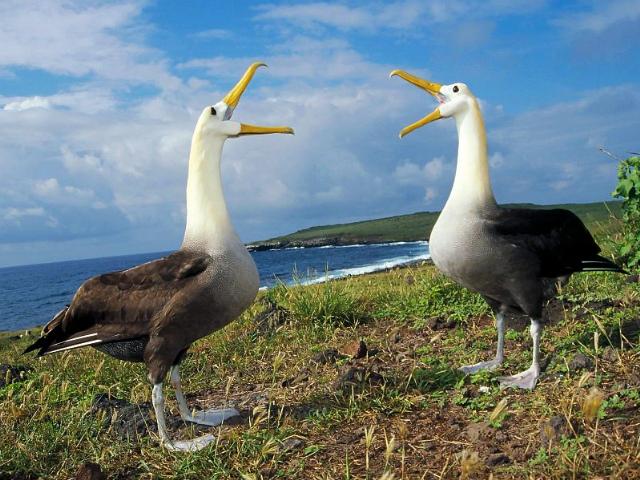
[(402, 411)]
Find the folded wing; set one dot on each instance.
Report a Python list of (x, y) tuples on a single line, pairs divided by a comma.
[(120, 306), (557, 238)]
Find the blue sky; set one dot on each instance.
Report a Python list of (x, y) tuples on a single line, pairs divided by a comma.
[(98, 101)]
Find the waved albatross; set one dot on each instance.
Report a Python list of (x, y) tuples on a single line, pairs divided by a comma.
[(513, 257), (153, 312)]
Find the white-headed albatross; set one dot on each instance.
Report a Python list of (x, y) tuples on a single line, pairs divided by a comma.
[(513, 257), (152, 313)]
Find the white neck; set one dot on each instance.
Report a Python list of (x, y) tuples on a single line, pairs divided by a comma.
[(471, 186), (208, 222)]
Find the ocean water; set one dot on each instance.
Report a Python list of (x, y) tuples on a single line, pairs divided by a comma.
[(30, 295)]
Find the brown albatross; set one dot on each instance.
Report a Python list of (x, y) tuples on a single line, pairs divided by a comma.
[(513, 257), (152, 313)]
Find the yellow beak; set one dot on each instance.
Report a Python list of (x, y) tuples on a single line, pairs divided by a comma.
[(256, 130), (435, 115), (233, 97), (429, 87)]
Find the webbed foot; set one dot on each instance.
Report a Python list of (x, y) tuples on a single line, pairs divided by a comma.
[(188, 445), (212, 417), (477, 367), (526, 380)]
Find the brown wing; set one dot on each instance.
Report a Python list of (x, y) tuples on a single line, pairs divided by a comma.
[(120, 305)]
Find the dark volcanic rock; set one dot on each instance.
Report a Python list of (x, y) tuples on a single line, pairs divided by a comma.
[(436, 323), (90, 471), (292, 443), (127, 420), (552, 430), (12, 373), (330, 355), (580, 362), (496, 459)]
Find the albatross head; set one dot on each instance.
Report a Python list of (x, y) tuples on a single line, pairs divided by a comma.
[(215, 120), (455, 100)]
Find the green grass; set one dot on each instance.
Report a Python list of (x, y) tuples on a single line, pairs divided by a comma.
[(403, 408), (417, 226)]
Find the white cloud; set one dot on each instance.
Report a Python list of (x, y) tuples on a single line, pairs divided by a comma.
[(51, 190), (27, 103), (551, 146), (96, 145), (433, 168), (601, 16), (14, 213), (80, 38), (399, 16), (409, 173), (302, 58)]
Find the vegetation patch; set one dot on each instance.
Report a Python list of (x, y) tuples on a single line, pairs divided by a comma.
[(355, 378)]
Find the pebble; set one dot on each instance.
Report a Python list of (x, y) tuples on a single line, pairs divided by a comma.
[(90, 471), (580, 362)]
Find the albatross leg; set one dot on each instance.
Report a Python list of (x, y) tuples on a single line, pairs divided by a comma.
[(211, 417), (491, 364), (176, 445), (529, 377)]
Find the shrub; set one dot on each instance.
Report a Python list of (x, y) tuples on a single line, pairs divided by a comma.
[(628, 189)]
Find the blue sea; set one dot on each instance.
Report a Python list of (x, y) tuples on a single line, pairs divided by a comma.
[(30, 295)]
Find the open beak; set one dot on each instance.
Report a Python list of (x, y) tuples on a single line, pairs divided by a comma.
[(233, 97), (429, 87)]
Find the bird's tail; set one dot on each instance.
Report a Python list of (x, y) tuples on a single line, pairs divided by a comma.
[(600, 264), (47, 337)]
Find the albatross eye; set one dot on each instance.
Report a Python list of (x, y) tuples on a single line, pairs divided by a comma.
[(213, 111), (455, 89)]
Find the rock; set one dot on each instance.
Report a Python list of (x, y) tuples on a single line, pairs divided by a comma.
[(330, 355), (478, 431), (90, 471), (580, 362), (632, 278), (355, 349), (553, 430), (271, 317), (609, 354), (496, 459), (127, 420), (436, 323), (12, 373), (432, 323), (292, 443)]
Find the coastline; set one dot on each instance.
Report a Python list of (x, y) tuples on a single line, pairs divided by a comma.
[(11, 335), (322, 242)]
